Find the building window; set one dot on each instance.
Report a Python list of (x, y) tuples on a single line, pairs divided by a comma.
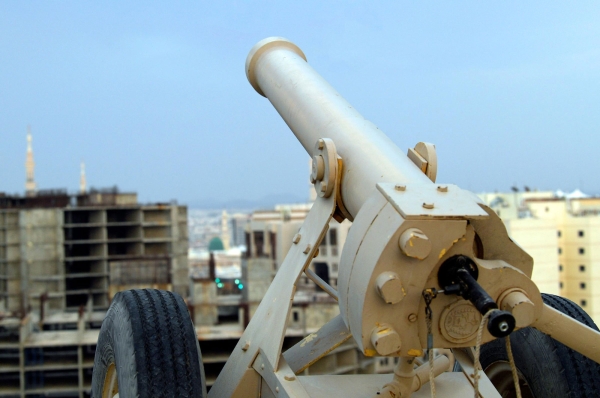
[(322, 271), (581, 268), (560, 268), (559, 234), (581, 250), (559, 250), (334, 267), (582, 285), (580, 234), (560, 284), (259, 242), (583, 303), (333, 237)]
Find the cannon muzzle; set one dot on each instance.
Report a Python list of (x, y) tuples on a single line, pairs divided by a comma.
[(277, 69)]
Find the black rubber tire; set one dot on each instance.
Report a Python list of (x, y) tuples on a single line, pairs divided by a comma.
[(149, 336), (547, 368)]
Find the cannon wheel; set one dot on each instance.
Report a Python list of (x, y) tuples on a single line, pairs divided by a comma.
[(546, 367), (148, 348)]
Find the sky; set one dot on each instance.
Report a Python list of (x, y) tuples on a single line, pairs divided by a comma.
[(153, 97)]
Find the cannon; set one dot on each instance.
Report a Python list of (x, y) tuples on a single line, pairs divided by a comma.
[(427, 271)]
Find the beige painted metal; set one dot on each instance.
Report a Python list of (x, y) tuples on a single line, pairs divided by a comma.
[(448, 385), (424, 157), (283, 382), (366, 256), (390, 287), (321, 283), (404, 228), (518, 304), (324, 167), (428, 201), (414, 243), (385, 340), (267, 327), (313, 109), (407, 379), (318, 344), (571, 333)]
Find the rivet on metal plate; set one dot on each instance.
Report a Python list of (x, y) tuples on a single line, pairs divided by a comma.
[(306, 249)]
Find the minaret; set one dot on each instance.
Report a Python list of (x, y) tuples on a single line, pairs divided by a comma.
[(30, 188), (82, 182), (225, 230)]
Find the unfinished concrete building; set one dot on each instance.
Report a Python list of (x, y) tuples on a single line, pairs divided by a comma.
[(62, 258)]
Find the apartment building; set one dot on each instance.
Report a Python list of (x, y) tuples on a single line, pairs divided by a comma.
[(562, 234)]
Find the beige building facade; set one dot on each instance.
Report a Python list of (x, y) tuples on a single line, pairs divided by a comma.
[(562, 234)]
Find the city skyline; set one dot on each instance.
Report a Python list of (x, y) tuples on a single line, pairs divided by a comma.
[(155, 100)]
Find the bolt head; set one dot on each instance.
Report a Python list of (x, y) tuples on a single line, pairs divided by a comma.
[(390, 288), (428, 206), (412, 317), (385, 340), (318, 168), (306, 249), (414, 243)]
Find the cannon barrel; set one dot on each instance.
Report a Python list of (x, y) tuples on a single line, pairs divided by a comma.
[(277, 69)]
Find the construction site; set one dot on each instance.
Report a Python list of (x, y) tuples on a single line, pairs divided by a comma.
[(62, 259)]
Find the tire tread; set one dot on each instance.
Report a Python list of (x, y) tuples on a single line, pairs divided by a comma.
[(551, 368), (164, 359)]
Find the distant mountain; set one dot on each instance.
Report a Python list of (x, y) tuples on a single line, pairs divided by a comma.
[(266, 202)]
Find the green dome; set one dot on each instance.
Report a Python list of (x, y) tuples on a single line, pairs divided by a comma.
[(215, 244)]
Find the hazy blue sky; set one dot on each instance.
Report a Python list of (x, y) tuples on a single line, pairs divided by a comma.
[(154, 97)]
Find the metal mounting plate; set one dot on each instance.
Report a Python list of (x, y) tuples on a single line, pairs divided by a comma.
[(428, 201), (448, 385)]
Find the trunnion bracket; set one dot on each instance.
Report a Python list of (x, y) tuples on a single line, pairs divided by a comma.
[(428, 201)]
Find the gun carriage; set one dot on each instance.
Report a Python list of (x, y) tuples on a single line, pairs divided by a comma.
[(427, 270)]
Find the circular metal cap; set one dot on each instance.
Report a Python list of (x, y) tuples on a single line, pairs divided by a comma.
[(259, 49)]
